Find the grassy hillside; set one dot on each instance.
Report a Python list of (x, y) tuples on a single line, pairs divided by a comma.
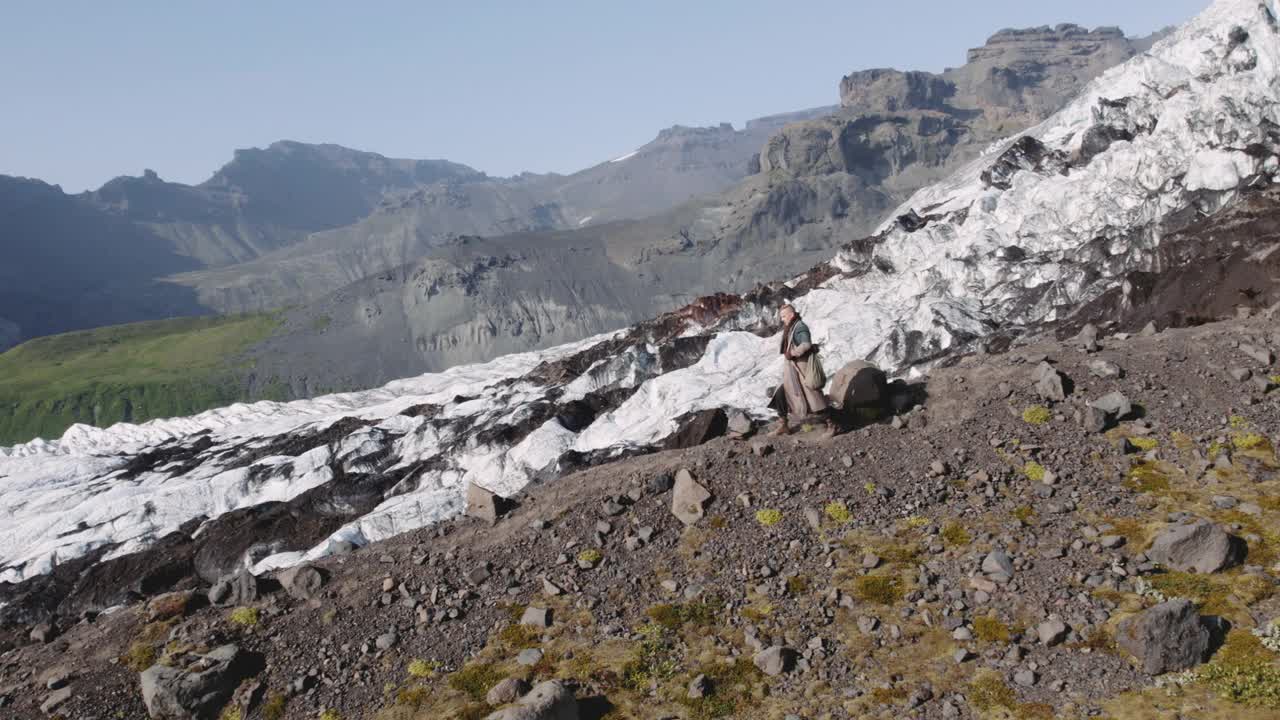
[(131, 373)]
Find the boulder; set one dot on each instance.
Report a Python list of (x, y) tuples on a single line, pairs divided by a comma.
[(1050, 384), (169, 605), (775, 660), (1166, 638), (695, 428), (237, 589), (689, 500), (44, 633), (550, 700), (507, 691), (302, 582), (1199, 547), (481, 504), (1115, 405), (200, 691), (858, 384)]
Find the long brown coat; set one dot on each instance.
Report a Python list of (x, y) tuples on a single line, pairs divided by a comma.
[(797, 349)]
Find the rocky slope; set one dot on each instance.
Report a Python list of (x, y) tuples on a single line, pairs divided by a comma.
[(1044, 231), (818, 182)]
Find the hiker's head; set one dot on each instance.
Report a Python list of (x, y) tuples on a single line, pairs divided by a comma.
[(787, 313)]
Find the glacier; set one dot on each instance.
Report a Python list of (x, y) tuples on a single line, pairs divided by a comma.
[(1038, 225)]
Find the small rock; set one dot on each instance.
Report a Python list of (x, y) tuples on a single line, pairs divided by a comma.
[(689, 500), (1025, 678), (699, 687), (1051, 631), (507, 691), (775, 660), (386, 641), (536, 617), (529, 657), (997, 562)]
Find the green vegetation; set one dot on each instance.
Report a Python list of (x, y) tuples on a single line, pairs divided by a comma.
[(244, 617), (1036, 415), (273, 708), (1144, 444), (231, 712), (653, 660), (990, 629), (673, 617), (1249, 441), (1034, 471), (590, 556), (127, 373), (989, 694), (1148, 478), (330, 715), (141, 656), (839, 512), (768, 517), (879, 589), (519, 637), (422, 669), (954, 535), (732, 686), (1244, 671), (475, 680)]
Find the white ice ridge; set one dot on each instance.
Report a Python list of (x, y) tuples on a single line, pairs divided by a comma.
[(628, 156), (990, 256)]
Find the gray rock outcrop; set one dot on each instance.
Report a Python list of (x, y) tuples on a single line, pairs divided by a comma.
[(550, 700), (198, 692), (1166, 638), (1199, 547)]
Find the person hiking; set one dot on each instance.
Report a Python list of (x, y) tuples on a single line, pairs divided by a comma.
[(802, 375)]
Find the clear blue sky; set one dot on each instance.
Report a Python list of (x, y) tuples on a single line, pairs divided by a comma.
[(91, 90)]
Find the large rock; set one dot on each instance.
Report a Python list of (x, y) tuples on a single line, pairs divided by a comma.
[(238, 589), (551, 700), (302, 582), (858, 384), (1050, 384), (196, 693), (481, 504), (689, 500), (1166, 638), (695, 428), (1115, 405), (1200, 547)]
